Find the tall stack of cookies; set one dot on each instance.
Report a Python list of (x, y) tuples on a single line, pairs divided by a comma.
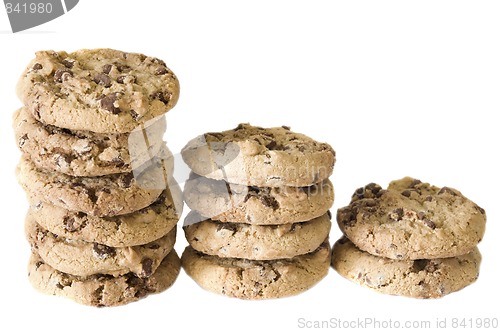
[(411, 239), (102, 217), (259, 223)]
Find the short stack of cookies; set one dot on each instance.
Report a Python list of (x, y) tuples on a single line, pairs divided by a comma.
[(411, 239), (260, 200), (102, 217)]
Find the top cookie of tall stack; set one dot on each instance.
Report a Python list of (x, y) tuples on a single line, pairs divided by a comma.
[(99, 90)]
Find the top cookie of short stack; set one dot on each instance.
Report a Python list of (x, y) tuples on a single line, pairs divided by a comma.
[(264, 157), (100, 90)]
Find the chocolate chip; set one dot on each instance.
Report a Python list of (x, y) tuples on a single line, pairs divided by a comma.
[(480, 209), (103, 79), (161, 71), (107, 68), (133, 281), (105, 190), (428, 199), (91, 194), (163, 97), (108, 103), (347, 217), (414, 183), (63, 160), (97, 296), (406, 193), (121, 68), (62, 75), (421, 215), (126, 180), (134, 114), (429, 223), (147, 267), (101, 251), (38, 264), (270, 201), (275, 146), (158, 61), (37, 66), (447, 190), (75, 222), (240, 127), (22, 140), (285, 127), (68, 63), (121, 79), (360, 192), (301, 148), (399, 213), (118, 162)]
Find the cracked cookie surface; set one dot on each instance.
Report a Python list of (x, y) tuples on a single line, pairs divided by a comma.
[(257, 242), (423, 278), (108, 195), (227, 202), (83, 258), (136, 228), (263, 157), (85, 153), (412, 220), (100, 90), (249, 279), (102, 290)]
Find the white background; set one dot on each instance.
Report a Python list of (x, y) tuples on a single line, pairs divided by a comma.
[(396, 87)]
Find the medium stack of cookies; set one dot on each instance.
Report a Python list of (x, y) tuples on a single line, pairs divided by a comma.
[(97, 173), (260, 200), (411, 239)]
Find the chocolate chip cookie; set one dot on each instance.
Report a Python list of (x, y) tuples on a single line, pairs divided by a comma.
[(86, 258), (412, 220), (227, 202), (263, 157), (85, 153), (102, 290), (136, 228), (249, 279), (99, 90), (108, 195), (258, 242), (422, 278)]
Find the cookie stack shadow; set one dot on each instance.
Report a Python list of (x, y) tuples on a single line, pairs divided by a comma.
[(98, 175), (412, 239), (259, 221)]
